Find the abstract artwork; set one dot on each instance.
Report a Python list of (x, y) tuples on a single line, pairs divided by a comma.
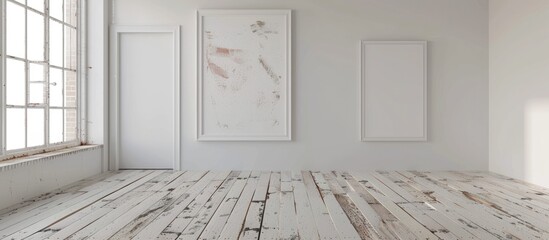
[(244, 75)]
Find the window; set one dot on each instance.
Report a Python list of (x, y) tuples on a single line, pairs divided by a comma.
[(40, 76)]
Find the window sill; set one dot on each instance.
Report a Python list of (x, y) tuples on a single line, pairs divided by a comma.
[(23, 161)]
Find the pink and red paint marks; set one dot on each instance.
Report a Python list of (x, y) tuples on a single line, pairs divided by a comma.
[(244, 75)]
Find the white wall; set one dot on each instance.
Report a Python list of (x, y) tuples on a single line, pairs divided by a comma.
[(97, 60), (326, 37), (519, 89), (28, 180)]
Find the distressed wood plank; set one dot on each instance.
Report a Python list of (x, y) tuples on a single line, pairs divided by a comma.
[(519, 184), (324, 223), (448, 211), (526, 204), (196, 224), (124, 204), (507, 187), (421, 207), (343, 225), (46, 198), (514, 224), (235, 222), (386, 225), (464, 208), (176, 207), (422, 217), (269, 228), (364, 229), (35, 224), (306, 228), (260, 194), (480, 196), (287, 219), (382, 187), (217, 223), (137, 224), (70, 225), (415, 227), (64, 198), (252, 224)]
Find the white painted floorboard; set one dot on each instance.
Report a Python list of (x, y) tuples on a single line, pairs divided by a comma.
[(148, 204)]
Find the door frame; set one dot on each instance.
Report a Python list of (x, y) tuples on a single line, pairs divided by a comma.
[(114, 93)]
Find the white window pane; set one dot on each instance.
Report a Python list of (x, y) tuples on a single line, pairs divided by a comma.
[(35, 127), (15, 128), (56, 87), (56, 9), (70, 89), (70, 125), (35, 33), (56, 43), (36, 84), (15, 30), (36, 4), (15, 82), (70, 48), (56, 125), (71, 9)]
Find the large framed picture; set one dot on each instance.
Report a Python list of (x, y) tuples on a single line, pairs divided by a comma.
[(244, 75), (393, 90)]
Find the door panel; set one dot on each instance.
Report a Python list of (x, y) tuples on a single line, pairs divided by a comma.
[(146, 116)]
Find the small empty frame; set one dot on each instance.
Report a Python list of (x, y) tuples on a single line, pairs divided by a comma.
[(393, 100)]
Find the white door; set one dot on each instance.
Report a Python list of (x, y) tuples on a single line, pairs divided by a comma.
[(146, 96)]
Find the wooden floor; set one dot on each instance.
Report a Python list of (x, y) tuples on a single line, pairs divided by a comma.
[(284, 205)]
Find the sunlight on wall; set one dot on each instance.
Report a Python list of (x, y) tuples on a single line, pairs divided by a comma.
[(536, 142)]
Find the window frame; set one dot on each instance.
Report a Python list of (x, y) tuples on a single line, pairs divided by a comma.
[(81, 77)]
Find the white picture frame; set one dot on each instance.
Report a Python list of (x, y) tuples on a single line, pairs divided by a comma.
[(393, 91), (244, 75)]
